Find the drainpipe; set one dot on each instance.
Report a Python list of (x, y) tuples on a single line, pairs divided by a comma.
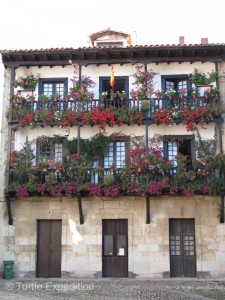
[(222, 175), (7, 196), (78, 152), (147, 195)]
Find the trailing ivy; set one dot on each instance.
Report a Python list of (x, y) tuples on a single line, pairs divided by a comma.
[(205, 147), (91, 149)]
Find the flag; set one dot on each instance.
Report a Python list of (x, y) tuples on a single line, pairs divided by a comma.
[(112, 80)]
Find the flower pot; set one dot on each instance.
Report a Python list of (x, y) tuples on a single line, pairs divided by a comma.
[(43, 101), (194, 97), (56, 99), (181, 97), (90, 99), (158, 97), (170, 97), (21, 101), (67, 99), (57, 171), (134, 98), (206, 96), (45, 169), (102, 99), (122, 98)]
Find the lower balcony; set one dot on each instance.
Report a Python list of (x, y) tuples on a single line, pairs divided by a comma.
[(98, 181)]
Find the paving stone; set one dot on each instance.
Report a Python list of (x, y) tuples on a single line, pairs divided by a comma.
[(112, 289)]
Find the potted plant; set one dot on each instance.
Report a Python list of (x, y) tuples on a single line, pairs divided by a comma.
[(122, 95), (103, 95), (207, 93), (145, 105), (31, 98), (55, 97), (182, 92), (113, 95), (142, 93), (133, 94), (201, 78), (67, 97), (171, 94), (28, 82), (158, 94), (43, 98), (194, 92), (215, 92)]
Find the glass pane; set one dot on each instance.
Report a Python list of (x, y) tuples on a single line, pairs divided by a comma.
[(169, 85), (121, 245), (58, 152), (108, 244)]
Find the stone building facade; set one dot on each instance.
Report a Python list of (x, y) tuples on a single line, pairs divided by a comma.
[(145, 235)]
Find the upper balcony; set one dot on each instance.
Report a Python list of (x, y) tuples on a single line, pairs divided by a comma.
[(106, 112)]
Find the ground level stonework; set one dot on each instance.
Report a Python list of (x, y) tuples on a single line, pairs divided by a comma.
[(116, 289), (149, 250)]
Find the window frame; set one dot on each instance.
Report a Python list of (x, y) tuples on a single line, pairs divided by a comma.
[(126, 141), (52, 149), (175, 77), (169, 138)]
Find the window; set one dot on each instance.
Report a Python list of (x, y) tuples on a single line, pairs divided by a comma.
[(116, 155), (47, 149), (121, 84), (175, 82), (49, 87), (178, 144)]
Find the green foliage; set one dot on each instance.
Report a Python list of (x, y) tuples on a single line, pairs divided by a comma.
[(205, 147), (91, 149), (215, 186)]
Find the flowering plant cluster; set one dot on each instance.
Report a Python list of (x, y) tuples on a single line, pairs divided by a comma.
[(198, 77), (28, 82), (69, 176), (158, 93), (171, 93), (103, 95), (79, 90), (143, 79)]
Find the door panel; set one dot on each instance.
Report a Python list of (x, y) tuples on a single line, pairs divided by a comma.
[(182, 248), (115, 254), (49, 248)]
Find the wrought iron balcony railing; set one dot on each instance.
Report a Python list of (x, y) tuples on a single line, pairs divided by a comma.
[(149, 106)]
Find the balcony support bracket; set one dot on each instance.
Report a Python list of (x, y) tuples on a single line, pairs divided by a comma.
[(8, 203), (80, 208), (147, 196), (221, 207)]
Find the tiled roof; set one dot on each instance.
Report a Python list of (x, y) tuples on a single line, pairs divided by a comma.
[(113, 55), (128, 47)]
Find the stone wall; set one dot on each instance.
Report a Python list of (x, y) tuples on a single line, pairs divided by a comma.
[(148, 244)]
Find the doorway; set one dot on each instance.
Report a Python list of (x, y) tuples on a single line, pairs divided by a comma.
[(49, 236), (115, 248), (182, 248)]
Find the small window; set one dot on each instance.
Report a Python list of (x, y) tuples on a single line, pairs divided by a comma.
[(47, 149), (52, 86), (175, 145), (116, 155), (175, 82)]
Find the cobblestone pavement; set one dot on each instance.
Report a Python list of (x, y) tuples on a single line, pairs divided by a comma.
[(113, 289)]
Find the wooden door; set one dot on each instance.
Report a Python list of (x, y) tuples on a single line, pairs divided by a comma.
[(49, 248), (182, 248), (115, 248)]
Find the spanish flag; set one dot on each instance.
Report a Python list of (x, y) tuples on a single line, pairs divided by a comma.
[(112, 80)]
